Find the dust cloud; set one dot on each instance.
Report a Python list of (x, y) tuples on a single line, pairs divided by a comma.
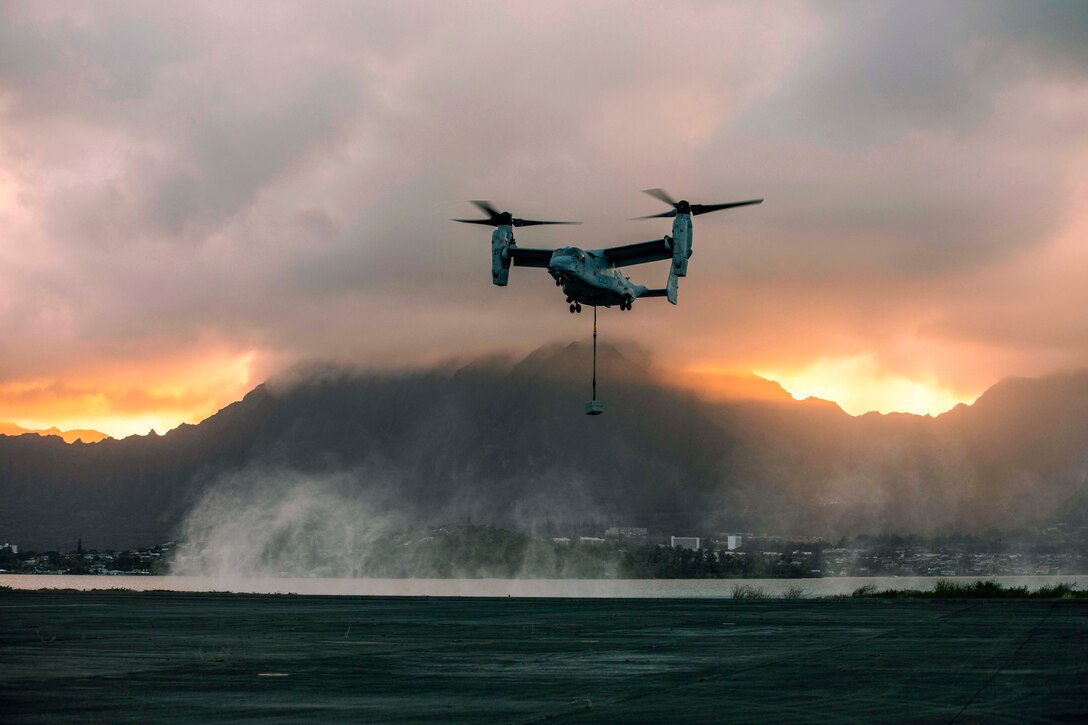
[(264, 523), (279, 523)]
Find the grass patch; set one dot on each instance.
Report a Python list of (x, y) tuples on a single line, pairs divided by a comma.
[(748, 591), (945, 589)]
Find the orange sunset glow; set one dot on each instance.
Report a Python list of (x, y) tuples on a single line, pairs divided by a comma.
[(859, 386), (129, 402), (856, 384)]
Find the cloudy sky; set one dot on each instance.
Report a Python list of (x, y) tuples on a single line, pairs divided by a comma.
[(194, 196)]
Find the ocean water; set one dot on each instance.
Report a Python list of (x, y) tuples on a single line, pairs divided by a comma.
[(573, 588)]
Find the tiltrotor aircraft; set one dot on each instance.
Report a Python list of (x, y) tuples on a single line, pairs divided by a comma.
[(593, 276)]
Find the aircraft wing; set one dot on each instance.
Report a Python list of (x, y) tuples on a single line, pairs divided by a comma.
[(641, 253), (522, 257)]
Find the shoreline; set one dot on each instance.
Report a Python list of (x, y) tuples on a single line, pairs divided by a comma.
[(1035, 588)]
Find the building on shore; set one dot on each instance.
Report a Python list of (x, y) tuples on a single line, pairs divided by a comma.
[(684, 542), (626, 532), (728, 542)]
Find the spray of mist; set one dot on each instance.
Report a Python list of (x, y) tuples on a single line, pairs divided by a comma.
[(283, 523)]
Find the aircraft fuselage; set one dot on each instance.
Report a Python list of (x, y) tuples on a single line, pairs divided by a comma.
[(590, 279)]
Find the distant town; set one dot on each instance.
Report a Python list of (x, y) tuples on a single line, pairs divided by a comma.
[(622, 552), (149, 560)]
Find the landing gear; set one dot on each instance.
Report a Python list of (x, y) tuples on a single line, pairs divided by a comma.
[(626, 303), (575, 307)]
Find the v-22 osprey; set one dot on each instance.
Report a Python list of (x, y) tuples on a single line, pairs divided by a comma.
[(592, 276)]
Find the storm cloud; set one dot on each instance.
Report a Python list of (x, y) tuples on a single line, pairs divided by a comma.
[(208, 188)]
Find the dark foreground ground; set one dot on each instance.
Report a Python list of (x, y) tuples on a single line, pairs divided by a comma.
[(114, 656)]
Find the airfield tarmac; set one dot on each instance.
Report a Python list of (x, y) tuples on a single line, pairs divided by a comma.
[(125, 656)]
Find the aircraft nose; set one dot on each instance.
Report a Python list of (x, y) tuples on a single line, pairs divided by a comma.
[(559, 264)]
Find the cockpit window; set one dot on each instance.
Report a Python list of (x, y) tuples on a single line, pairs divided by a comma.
[(571, 252)]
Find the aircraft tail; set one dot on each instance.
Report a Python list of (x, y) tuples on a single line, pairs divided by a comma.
[(668, 291)]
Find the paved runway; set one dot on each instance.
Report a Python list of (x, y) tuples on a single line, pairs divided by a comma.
[(122, 656)]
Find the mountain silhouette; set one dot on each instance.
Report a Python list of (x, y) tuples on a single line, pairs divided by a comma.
[(68, 436), (506, 442)]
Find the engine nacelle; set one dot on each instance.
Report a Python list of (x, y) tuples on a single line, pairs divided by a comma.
[(681, 244), (672, 287), (501, 239)]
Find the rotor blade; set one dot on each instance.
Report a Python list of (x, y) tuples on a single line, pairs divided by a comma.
[(485, 222), (655, 216), (486, 208), (706, 208), (533, 222), (660, 195)]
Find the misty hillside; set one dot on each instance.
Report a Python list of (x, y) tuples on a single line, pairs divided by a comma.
[(507, 443), (1016, 458)]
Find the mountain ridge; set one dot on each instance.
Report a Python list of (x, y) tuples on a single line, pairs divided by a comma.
[(82, 435), (505, 442)]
